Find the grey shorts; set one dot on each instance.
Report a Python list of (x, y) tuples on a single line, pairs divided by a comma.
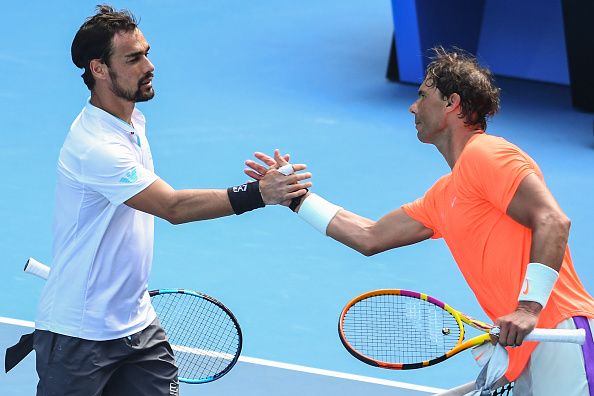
[(141, 364)]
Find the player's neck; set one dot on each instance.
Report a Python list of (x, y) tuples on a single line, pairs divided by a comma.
[(115, 106), (455, 141)]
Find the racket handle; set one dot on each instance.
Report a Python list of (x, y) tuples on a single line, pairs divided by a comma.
[(34, 267), (577, 336)]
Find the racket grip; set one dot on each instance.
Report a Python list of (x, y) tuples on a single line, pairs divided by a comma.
[(577, 336), (34, 267)]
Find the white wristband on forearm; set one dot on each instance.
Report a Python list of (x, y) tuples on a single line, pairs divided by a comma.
[(538, 283), (318, 212)]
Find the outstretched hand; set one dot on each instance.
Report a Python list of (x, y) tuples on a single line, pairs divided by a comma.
[(275, 186), (257, 171)]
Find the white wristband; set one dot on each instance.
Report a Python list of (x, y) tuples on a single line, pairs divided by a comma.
[(538, 283), (318, 212)]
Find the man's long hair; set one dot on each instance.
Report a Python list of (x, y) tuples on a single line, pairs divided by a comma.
[(457, 71)]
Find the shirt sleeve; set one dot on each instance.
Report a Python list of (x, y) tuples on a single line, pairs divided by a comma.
[(425, 209), (112, 170), (493, 172)]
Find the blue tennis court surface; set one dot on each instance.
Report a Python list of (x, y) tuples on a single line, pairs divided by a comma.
[(234, 77)]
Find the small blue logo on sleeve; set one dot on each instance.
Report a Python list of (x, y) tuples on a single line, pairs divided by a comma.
[(131, 177)]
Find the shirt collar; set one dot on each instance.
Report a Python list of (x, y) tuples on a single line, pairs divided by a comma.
[(137, 119)]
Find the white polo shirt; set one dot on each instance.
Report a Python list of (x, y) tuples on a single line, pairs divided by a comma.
[(102, 249)]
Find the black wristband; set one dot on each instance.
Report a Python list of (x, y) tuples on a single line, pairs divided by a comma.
[(296, 201), (245, 197)]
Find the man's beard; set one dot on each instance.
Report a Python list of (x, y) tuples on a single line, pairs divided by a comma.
[(131, 96)]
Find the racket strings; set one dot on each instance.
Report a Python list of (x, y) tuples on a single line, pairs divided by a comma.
[(398, 329), (204, 338)]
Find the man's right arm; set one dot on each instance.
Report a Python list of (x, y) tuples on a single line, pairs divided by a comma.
[(369, 237), (366, 236), (182, 206)]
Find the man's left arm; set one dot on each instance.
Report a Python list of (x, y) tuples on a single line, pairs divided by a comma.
[(534, 207)]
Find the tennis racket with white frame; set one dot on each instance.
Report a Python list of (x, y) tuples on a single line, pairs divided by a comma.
[(403, 330), (204, 334)]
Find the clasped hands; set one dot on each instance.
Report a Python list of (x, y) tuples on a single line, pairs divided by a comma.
[(276, 187)]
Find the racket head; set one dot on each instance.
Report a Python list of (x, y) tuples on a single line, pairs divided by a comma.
[(204, 334), (400, 329)]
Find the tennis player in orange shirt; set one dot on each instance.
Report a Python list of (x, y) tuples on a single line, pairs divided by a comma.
[(503, 226)]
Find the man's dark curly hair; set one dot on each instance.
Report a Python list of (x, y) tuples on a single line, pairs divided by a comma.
[(95, 37), (457, 71)]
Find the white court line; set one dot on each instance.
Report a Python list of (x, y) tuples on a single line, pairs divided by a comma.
[(17, 322), (288, 366), (338, 374)]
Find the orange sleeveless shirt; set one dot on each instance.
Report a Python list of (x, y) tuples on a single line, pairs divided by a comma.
[(467, 208)]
